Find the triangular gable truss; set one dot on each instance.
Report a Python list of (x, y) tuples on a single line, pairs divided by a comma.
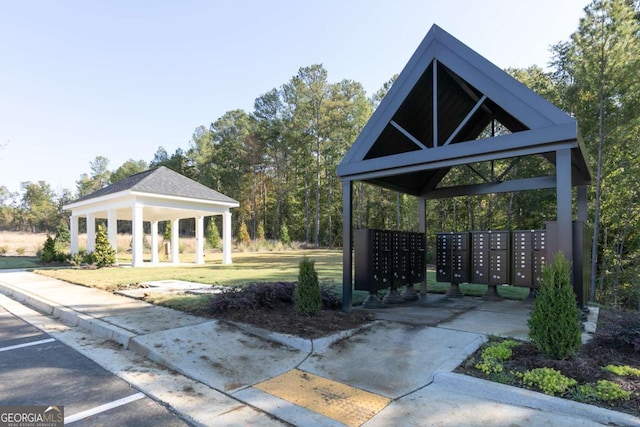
[(432, 116)]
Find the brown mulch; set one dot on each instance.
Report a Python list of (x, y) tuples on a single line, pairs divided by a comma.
[(585, 367), (285, 320)]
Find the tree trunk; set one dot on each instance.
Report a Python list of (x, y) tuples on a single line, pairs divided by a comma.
[(596, 216)]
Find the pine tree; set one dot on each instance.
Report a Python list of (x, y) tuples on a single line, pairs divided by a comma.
[(213, 236), (307, 297), (104, 255), (243, 234), (554, 323)]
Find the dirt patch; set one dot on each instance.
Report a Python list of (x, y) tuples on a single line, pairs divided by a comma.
[(586, 367)]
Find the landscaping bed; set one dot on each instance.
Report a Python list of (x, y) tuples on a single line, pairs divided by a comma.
[(611, 345)]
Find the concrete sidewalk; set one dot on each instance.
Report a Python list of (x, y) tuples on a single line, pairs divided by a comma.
[(405, 359)]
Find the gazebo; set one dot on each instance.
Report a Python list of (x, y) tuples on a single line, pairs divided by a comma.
[(433, 119), (155, 195)]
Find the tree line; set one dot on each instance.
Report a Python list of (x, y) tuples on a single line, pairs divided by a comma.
[(279, 160)]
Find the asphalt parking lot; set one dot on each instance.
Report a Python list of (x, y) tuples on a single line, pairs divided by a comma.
[(37, 369)]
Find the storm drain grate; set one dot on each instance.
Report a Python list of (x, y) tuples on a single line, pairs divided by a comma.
[(343, 403)]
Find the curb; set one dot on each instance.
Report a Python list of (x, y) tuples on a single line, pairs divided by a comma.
[(308, 345), (95, 326), (516, 396)]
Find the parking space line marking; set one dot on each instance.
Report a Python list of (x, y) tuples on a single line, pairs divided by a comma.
[(103, 408), (28, 344)]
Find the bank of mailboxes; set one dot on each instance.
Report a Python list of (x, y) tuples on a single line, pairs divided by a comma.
[(491, 257), (529, 253), (384, 258)]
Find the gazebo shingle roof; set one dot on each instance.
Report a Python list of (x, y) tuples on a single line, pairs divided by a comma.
[(164, 181)]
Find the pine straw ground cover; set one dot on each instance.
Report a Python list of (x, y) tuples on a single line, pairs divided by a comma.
[(616, 343), (270, 306)]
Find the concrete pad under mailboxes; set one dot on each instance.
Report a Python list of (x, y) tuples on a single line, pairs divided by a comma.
[(393, 359), (503, 324), (218, 355), (427, 311)]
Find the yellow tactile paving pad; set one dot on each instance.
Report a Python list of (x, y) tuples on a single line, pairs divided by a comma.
[(343, 403)]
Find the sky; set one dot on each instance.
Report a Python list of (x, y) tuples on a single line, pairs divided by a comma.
[(120, 78)]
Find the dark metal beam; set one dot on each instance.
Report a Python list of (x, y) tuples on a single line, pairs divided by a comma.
[(435, 103), (498, 187), (347, 245), (435, 179), (465, 120), (563, 195), (408, 135), (517, 144)]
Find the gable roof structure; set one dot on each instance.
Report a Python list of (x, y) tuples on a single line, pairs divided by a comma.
[(434, 114), (440, 114), (160, 181), (154, 195)]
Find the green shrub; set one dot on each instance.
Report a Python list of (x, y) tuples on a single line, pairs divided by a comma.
[(623, 371), (604, 390), (493, 355), (549, 380), (307, 299), (284, 234), (21, 251), (166, 235), (212, 234), (104, 255), (243, 234), (554, 323), (48, 252), (260, 232), (62, 233), (4, 250)]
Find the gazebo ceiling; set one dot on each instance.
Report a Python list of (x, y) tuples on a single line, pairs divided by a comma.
[(443, 111)]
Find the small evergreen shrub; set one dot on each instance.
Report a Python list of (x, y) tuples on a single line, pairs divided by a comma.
[(549, 380), (260, 232), (307, 298), (62, 233), (166, 234), (243, 234), (554, 323), (104, 255), (48, 253), (284, 234), (213, 235), (4, 250)]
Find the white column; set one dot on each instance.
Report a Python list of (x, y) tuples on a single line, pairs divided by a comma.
[(137, 234), (112, 229), (226, 238), (154, 241), (175, 241), (91, 233), (74, 234), (200, 240)]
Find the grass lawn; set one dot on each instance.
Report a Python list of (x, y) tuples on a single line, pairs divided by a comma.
[(8, 262), (247, 267)]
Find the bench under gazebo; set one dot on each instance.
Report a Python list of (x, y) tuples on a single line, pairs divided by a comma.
[(155, 195)]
